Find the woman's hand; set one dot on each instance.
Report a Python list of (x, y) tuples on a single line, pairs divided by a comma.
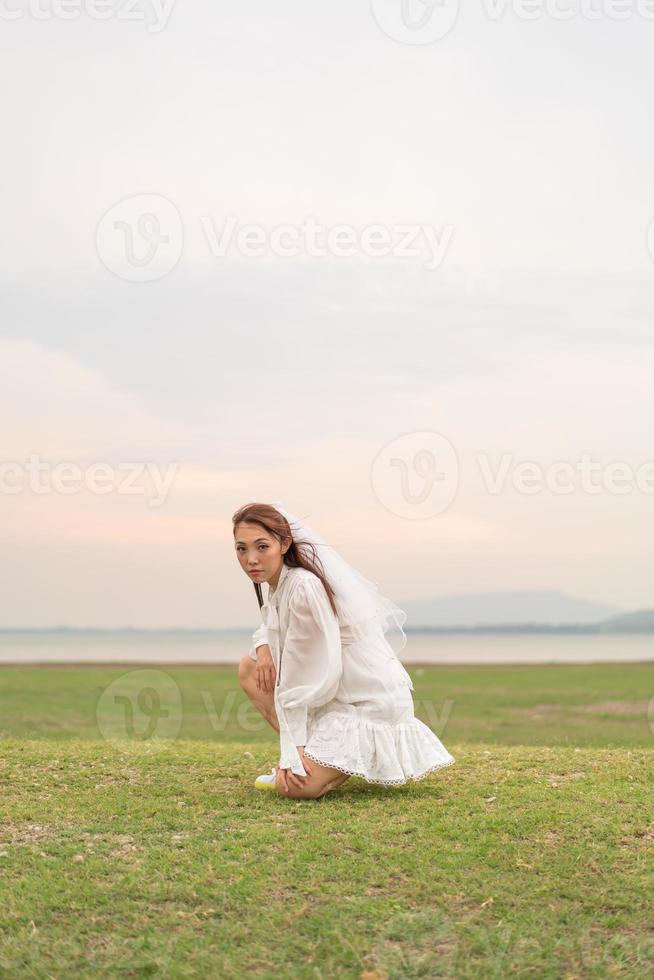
[(265, 672), (286, 777)]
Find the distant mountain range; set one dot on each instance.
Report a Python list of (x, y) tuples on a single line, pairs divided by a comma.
[(505, 608), (641, 621), (522, 612), (476, 612)]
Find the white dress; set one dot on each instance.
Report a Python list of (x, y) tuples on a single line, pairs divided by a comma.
[(347, 701)]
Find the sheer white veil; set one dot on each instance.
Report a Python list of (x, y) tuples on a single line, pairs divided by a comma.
[(359, 603)]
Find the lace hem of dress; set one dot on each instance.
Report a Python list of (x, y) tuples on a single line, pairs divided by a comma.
[(382, 782), (386, 753)]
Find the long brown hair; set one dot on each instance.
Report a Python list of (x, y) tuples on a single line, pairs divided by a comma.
[(300, 554)]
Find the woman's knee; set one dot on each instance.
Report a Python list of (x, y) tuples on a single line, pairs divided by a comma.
[(246, 671)]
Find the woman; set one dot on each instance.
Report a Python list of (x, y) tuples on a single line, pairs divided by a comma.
[(320, 668)]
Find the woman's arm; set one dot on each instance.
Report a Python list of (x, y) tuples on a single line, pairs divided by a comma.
[(259, 638), (266, 673), (310, 668)]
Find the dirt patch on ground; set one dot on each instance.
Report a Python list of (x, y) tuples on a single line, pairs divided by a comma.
[(539, 711), (615, 708)]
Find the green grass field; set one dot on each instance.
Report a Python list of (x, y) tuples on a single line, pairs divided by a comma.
[(139, 848)]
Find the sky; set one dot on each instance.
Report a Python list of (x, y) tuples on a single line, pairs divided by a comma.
[(421, 378)]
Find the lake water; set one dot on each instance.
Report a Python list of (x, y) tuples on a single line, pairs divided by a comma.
[(227, 648)]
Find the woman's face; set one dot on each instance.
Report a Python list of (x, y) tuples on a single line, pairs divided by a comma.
[(259, 553)]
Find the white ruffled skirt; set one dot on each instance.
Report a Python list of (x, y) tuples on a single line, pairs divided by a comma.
[(386, 745)]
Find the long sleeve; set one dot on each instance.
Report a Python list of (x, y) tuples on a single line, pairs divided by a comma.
[(259, 637), (311, 666)]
